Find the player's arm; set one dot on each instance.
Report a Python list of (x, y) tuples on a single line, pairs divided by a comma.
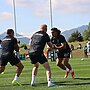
[(47, 51), (62, 46), (16, 47), (30, 42), (51, 46)]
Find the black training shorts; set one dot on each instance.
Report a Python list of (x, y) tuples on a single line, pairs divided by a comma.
[(37, 58), (12, 59), (63, 55)]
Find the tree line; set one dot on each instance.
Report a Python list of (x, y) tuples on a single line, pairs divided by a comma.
[(77, 36)]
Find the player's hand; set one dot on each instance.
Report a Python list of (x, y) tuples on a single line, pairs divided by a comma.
[(55, 47), (46, 55)]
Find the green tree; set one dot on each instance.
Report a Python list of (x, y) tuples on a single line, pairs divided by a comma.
[(75, 36), (71, 39), (89, 26), (86, 33)]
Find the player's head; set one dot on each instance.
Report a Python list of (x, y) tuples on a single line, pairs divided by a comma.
[(43, 27), (55, 32), (10, 32)]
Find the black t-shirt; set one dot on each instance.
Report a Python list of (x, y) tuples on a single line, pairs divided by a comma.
[(38, 42), (8, 45), (61, 39)]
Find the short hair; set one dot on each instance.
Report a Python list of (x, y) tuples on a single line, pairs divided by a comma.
[(9, 31), (0, 41), (18, 42), (56, 30), (43, 26)]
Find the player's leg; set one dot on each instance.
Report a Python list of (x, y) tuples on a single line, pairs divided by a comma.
[(48, 74), (18, 72), (2, 68), (66, 63), (59, 60), (15, 61), (34, 60), (48, 71), (19, 69), (44, 62), (34, 73), (3, 63), (60, 64)]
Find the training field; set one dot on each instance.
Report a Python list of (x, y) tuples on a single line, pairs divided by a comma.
[(80, 82)]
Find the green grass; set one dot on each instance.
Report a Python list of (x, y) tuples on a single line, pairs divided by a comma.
[(81, 81)]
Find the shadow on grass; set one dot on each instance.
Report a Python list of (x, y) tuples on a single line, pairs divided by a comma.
[(83, 78), (64, 83), (37, 84), (72, 84), (69, 83)]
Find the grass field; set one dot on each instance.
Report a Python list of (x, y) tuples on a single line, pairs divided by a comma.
[(80, 82)]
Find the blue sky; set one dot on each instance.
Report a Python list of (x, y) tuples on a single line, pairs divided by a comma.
[(30, 14)]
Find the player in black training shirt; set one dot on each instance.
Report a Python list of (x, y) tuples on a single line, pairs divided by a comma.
[(63, 51), (37, 44), (9, 44)]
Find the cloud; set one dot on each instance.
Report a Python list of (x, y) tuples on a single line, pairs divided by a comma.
[(19, 3), (28, 35), (5, 16), (41, 7), (71, 6)]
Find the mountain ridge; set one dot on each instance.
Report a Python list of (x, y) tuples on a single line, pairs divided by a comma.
[(19, 37), (80, 29), (66, 33)]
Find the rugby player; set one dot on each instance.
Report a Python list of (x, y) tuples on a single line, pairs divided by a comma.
[(9, 44), (37, 44), (63, 51)]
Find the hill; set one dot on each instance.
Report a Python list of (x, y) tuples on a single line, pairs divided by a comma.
[(80, 29), (66, 33), (19, 37)]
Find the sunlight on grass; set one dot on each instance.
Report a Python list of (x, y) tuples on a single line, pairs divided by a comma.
[(80, 82)]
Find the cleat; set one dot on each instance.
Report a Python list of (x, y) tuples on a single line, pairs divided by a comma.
[(72, 74), (14, 82), (2, 73), (50, 84), (66, 75), (32, 84)]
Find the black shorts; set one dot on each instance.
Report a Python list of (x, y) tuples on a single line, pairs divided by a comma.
[(63, 55), (37, 58), (12, 59)]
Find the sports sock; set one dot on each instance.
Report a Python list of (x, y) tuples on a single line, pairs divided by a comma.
[(67, 69), (33, 78), (16, 77), (71, 70), (49, 80)]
